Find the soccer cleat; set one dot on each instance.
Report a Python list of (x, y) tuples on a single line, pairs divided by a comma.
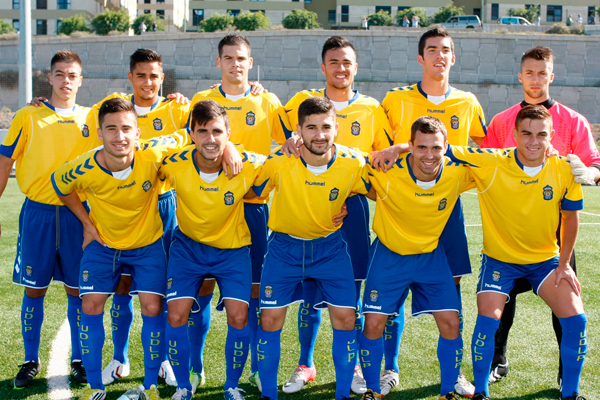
[(79, 373), (197, 379), (150, 394), (389, 379), (359, 385), (301, 376), (132, 394), (254, 380), (480, 396), (449, 396), (463, 387), (182, 394), (498, 372), (233, 394), (371, 395), (166, 372), (114, 370), (576, 396), (26, 374), (93, 394)]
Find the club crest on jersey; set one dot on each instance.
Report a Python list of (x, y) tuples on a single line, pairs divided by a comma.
[(268, 291), (85, 130), (442, 204), (333, 195), (496, 276), (85, 275), (158, 125), (548, 193), (355, 130), (374, 296), (250, 118), (169, 283), (29, 270), (454, 122), (229, 199), (146, 186)]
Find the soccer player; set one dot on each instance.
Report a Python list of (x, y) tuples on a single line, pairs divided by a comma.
[(50, 236), (573, 136), (213, 240), (519, 240), (120, 181), (255, 120), (415, 198), (305, 243), (363, 125)]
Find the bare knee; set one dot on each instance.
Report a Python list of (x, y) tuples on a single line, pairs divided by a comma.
[(35, 293), (177, 319), (237, 320), (449, 327), (373, 327), (151, 308)]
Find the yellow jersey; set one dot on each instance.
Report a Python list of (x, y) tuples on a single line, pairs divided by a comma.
[(520, 213), (211, 213), (363, 123), (460, 112), (409, 219), (41, 140), (304, 203)]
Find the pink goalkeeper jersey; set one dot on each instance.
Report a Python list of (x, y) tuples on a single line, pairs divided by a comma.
[(572, 133)]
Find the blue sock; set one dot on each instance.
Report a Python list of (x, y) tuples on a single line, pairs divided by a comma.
[(482, 351), (268, 350), (573, 350), (309, 321), (165, 356), (153, 343), (253, 321), (343, 350), (236, 353), (91, 336), (121, 313), (179, 354), (371, 354), (450, 353), (460, 314), (198, 326), (391, 339), (74, 317), (32, 316), (360, 319)]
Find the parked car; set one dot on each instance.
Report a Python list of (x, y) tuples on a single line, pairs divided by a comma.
[(514, 21), (463, 21)]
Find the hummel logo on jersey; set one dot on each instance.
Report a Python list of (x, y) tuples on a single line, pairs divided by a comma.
[(423, 194), (233, 108), (209, 189), (314, 183), (529, 182), (66, 122), (126, 186), (436, 111)]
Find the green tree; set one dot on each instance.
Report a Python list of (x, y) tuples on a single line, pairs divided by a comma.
[(6, 27), (148, 19), (409, 12), (216, 22), (110, 20), (75, 23), (530, 14), (450, 10), (301, 19), (381, 18), (250, 21)]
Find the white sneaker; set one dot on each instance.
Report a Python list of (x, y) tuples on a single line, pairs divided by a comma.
[(233, 394), (359, 385), (114, 370), (166, 372), (299, 378), (254, 380), (197, 379), (463, 387), (389, 379), (181, 394)]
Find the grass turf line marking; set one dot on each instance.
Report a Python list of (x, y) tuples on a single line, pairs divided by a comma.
[(587, 213), (58, 368)]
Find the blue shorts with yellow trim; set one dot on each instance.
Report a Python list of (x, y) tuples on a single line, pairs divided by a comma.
[(191, 262), (498, 276), (427, 275), (167, 208), (48, 247), (101, 269), (290, 261), (257, 216), (454, 241), (358, 233)]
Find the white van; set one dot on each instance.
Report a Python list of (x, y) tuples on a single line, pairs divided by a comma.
[(514, 21), (463, 21)]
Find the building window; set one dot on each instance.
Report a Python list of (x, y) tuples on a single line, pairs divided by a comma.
[(41, 5), (495, 12), (146, 11), (345, 13), (554, 14), (16, 4), (146, 1), (257, 0), (233, 13), (63, 4), (383, 8), (160, 14), (160, 1), (477, 11), (295, 1), (255, 11), (16, 24), (42, 27), (331, 16), (197, 17)]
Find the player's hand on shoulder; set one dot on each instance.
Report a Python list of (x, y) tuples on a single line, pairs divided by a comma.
[(216, 85), (37, 101), (292, 146), (232, 161), (384, 159), (338, 219), (257, 88), (566, 272), (581, 173), (90, 233), (179, 98), (551, 151)]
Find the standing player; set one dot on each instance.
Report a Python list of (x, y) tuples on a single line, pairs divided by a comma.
[(573, 136), (50, 236), (546, 196), (364, 125)]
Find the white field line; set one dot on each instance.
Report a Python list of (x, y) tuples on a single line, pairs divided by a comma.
[(587, 213), (58, 367)]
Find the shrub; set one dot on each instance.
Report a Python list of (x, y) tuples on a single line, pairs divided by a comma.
[(216, 22), (6, 27), (381, 18), (301, 19), (450, 10), (530, 14), (148, 19), (409, 12), (110, 20), (75, 23), (250, 21), (560, 28)]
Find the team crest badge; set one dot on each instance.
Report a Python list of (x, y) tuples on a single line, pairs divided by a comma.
[(374, 296), (229, 200), (548, 193), (442, 204), (169, 283), (250, 118), (29, 270), (158, 125), (333, 195), (496, 276), (454, 122), (268, 292), (85, 130), (85, 275), (146, 186), (355, 130)]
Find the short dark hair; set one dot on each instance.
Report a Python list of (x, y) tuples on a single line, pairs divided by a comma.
[(234, 39), (205, 111), (432, 33), (427, 124), (533, 111), (539, 53), (115, 105), (144, 56), (315, 105), (66, 56), (336, 42)]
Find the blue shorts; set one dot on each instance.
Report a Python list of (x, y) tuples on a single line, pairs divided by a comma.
[(498, 276), (48, 247), (167, 208), (289, 261), (191, 262), (101, 269), (257, 216), (454, 241), (427, 275), (358, 234)]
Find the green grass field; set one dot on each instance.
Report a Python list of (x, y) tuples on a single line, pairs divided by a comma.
[(533, 353)]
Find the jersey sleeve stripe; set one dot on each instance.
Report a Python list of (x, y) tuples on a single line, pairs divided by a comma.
[(571, 205), (9, 150), (259, 189), (56, 189), (286, 131)]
